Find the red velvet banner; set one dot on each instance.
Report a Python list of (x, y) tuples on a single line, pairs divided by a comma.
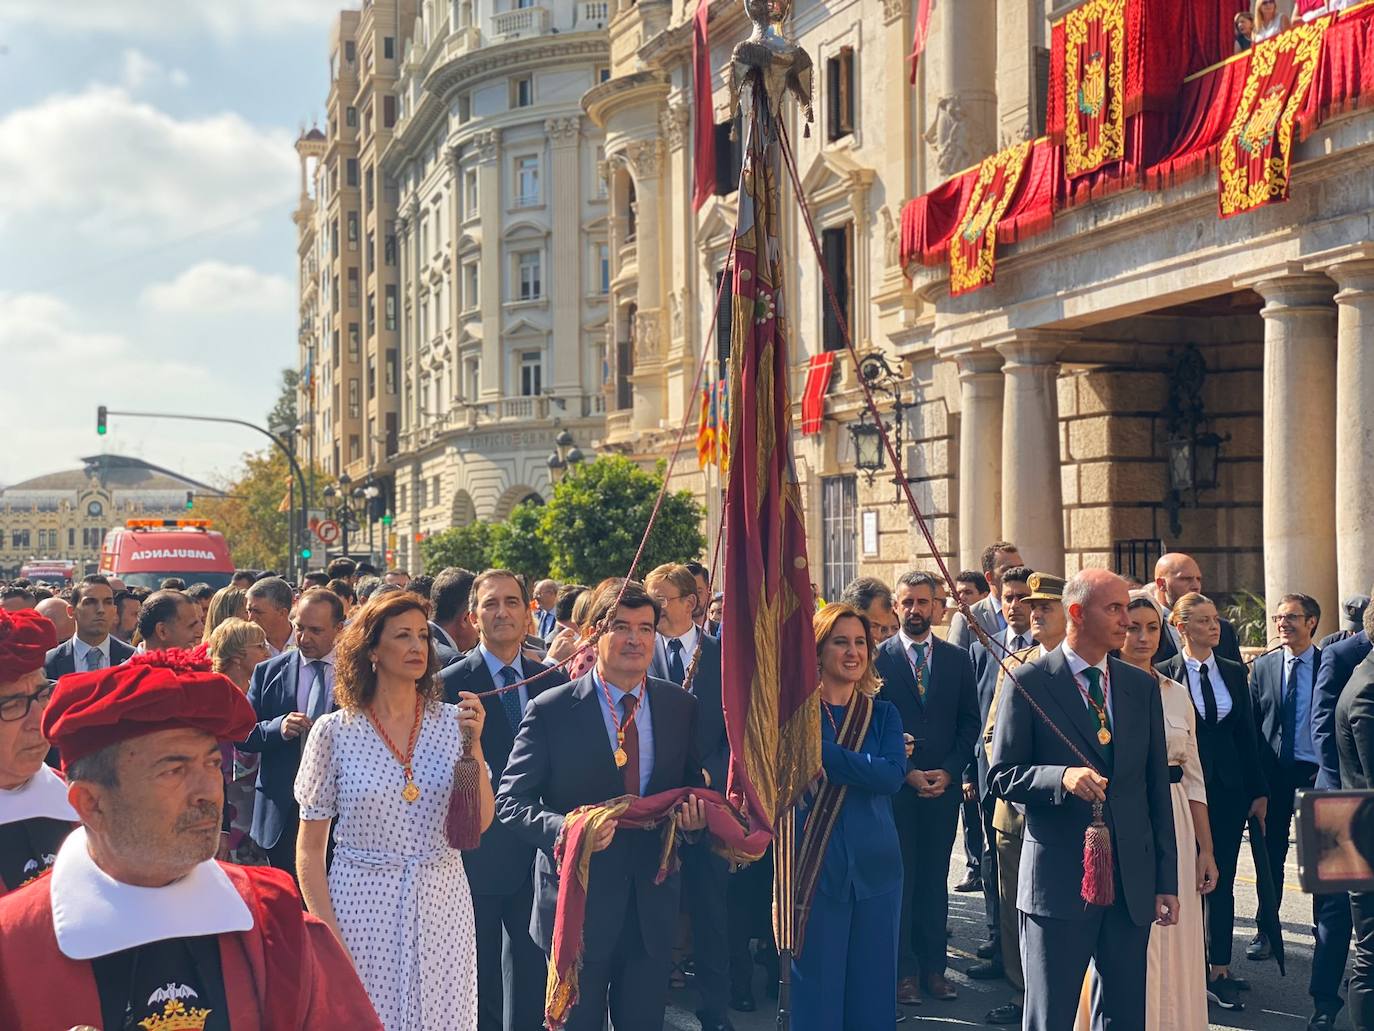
[(928, 221), (918, 41), (1094, 113), (703, 113), (1345, 76), (1255, 154), (818, 372), (973, 247)]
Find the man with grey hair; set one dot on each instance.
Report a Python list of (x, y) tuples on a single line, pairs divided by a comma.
[(269, 606), (545, 595), (1062, 782)]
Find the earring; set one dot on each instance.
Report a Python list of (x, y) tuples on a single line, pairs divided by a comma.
[(374, 666)]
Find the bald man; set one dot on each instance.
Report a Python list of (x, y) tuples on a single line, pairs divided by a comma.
[(60, 613), (1177, 574)]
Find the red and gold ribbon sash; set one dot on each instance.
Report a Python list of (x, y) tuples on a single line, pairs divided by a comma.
[(1094, 86), (973, 248)]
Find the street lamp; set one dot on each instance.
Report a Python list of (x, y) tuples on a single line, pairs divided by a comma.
[(868, 447), (869, 453), (341, 497), (566, 455), (1194, 453)]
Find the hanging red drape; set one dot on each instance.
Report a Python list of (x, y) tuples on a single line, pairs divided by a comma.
[(703, 113), (1345, 78), (929, 220), (922, 33), (1207, 105)]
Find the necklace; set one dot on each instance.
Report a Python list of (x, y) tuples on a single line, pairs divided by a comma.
[(620, 757), (825, 708), (410, 792)]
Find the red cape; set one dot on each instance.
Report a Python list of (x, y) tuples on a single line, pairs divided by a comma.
[(288, 971)]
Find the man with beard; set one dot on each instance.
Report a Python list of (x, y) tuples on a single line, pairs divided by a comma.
[(931, 683), (138, 926)]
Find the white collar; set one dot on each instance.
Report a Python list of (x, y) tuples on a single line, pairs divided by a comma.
[(80, 648), (95, 915), (689, 642), (1077, 664), (1287, 655), (43, 794), (1196, 664), (328, 660), (908, 641)]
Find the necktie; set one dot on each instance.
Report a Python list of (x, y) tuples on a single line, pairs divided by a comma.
[(631, 745), (1290, 711), (1099, 708), (318, 703), (919, 653), (1018, 642), (95, 659), (510, 700), (1209, 697), (676, 673)]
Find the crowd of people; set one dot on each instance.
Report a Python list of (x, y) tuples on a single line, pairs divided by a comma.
[(1266, 20), (308, 736)]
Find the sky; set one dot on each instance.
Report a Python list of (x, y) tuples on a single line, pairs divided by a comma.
[(147, 252)]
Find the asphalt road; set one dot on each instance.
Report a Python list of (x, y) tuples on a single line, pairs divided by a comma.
[(1274, 1003)]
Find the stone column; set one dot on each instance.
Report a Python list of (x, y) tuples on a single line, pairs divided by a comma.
[(566, 262), (1299, 426), (493, 272), (1354, 432), (980, 454), (1032, 505), (963, 49), (649, 408)]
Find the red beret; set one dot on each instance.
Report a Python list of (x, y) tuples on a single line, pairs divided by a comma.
[(25, 638), (152, 691)]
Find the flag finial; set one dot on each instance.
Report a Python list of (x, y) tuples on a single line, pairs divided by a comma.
[(783, 66)]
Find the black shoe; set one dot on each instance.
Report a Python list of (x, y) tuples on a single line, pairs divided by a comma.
[(1007, 1013), (711, 1022), (1258, 949), (986, 971), (901, 1018), (1322, 1022), (1240, 982), (1224, 993), (988, 949), (970, 883), (743, 1002)]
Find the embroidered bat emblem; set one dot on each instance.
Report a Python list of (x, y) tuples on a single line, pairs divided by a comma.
[(172, 991)]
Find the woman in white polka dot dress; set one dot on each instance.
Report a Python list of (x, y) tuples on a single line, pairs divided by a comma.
[(381, 768)]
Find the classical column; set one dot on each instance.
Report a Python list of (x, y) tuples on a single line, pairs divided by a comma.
[(1032, 505), (1354, 433), (492, 272), (1299, 427), (980, 454), (963, 52), (567, 264), (645, 164)]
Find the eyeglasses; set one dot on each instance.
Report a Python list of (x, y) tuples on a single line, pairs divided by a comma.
[(15, 707), (665, 599), (1287, 618)]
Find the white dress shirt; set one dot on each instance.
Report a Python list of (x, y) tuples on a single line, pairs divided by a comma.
[(1214, 678), (1077, 664), (305, 681), (928, 642), (80, 649), (689, 647)]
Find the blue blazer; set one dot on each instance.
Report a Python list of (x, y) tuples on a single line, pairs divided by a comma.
[(1338, 662), (712, 741), (1266, 699), (272, 693), (863, 857), (62, 660)]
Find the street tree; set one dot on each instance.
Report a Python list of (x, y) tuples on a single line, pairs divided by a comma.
[(518, 545), (253, 518), (466, 546)]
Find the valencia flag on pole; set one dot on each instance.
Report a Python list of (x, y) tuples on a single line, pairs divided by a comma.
[(768, 648)]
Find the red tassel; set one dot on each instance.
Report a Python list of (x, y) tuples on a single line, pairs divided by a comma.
[(1099, 885), (464, 823)]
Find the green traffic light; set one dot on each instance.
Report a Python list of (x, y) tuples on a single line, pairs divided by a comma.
[(306, 553), (100, 421)]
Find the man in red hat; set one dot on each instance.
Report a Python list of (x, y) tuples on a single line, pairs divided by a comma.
[(35, 816), (137, 925)]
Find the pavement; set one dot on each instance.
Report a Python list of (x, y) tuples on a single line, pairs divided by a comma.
[(1274, 1003)]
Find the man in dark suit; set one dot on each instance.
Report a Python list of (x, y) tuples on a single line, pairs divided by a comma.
[(501, 872), (705, 875), (996, 558), (931, 683), (1354, 733), (1177, 574), (1282, 684), (289, 692), (92, 646), (1088, 695), (613, 732), (451, 628)]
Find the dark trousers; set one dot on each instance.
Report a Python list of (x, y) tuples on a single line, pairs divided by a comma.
[(1226, 811), (1332, 920), (706, 883), (750, 897), (991, 903), (282, 855), (1055, 955), (846, 976), (510, 966), (974, 845), (925, 829), (630, 982), (1362, 970), (1284, 784)]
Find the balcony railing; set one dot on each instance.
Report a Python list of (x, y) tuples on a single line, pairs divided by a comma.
[(521, 22), (596, 11)]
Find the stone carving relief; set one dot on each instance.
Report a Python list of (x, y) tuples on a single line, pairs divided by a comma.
[(563, 130), (675, 314), (947, 134), (647, 343), (673, 120), (893, 9), (892, 237), (643, 157), (486, 144)]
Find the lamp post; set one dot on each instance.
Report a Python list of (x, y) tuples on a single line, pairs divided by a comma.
[(1194, 453), (342, 497), (566, 455), (870, 457)]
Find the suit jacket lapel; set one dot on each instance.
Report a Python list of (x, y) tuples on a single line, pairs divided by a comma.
[(1064, 689), (479, 680), (592, 724), (902, 661), (290, 679)]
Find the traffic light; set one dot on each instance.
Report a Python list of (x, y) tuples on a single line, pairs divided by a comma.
[(306, 553), (190, 500), (100, 421), (387, 518)]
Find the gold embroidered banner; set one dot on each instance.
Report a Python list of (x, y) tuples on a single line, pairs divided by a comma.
[(1094, 86), (973, 247), (1256, 153)]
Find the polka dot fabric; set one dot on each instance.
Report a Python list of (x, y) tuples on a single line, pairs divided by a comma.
[(399, 891)]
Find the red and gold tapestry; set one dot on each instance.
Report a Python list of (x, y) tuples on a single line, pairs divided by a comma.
[(973, 248), (1094, 86), (1256, 153)]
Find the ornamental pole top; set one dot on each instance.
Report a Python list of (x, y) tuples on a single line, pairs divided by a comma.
[(781, 64)]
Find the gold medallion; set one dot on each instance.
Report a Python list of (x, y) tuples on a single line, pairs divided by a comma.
[(1104, 736), (410, 792), (620, 757)]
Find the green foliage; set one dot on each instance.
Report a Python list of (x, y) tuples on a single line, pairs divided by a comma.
[(467, 546), (517, 544), (282, 419), (598, 513), (252, 519), (1248, 615)]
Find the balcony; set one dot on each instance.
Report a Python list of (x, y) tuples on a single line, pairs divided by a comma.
[(593, 11), (521, 23)]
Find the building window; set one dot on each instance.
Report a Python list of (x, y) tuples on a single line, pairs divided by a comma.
[(334, 238), (388, 111), (470, 285), (528, 264), (371, 252), (839, 101), (839, 500), (354, 405), (352, 230), (725, 320), (371, 315), (729, 156), (351, 172), (526, 181), (355, 450), (389, 46), (392, 368), (371, 377), (353, 342), (470, 192), (603, 73), (835, 254), (531, 373), (389, 254), (351, 117), (472, 377), (367, 188), (353, 293), (350, 51), (334, 347), (522, 91), (603, 264), (435, 491), (390, 313), (71, 538), (464, 108), (336, 293)]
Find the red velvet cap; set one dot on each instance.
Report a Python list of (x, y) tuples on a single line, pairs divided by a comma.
[(152, 691), (25, 638)]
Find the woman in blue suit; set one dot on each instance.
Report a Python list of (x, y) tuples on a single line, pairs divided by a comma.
[(844, 977)]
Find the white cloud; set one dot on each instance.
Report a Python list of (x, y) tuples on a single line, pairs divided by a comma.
[(117, 170), (170, 18), (217, 288), (138, 70)]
